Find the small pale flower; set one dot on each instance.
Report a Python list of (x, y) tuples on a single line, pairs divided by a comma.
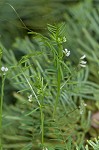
[(85, 104), (83, 63), (4, 70), (30, 98), (84, 56), (66, 52)]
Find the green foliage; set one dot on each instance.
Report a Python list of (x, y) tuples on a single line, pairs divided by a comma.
[(35, 14), (36, 74), (94, 144)]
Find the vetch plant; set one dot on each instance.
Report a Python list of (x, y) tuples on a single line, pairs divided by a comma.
[(56, 32), (57, 90), (52, 88)]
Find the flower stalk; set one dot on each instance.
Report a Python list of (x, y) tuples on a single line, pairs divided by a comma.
[(4, 70), (58, 65), (1, 106)]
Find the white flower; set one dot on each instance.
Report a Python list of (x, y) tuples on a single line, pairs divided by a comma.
[(85, 104), (84, 56), (83, 63), (30, 98), (4, 69), (66, 52)]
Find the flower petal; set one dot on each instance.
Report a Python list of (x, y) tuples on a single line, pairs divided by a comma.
[(84, 56)]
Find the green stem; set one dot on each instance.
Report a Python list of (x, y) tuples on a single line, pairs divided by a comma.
[(42, 125), (58, 79), (1, 105), (58, 90)]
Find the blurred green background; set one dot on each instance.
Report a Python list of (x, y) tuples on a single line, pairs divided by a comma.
[(36, 14)]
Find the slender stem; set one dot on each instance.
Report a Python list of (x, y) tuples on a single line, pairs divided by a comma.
[(42, 126), (1, 105), (58, 78), (58, 90), (42, 117)]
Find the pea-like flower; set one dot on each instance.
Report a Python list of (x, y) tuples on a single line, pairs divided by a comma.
[(4, 70), (84, 56), (30, 98), (66, 52), (82, 62)]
